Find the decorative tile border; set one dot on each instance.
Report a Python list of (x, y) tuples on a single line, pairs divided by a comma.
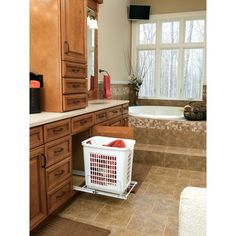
[(193, 126)]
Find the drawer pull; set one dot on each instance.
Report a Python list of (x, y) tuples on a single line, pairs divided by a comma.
[(75, 85), (83, 122), (42, 160), (76, 101), (114, 112), (59, 173), (58, 150), (101, 116), (57, 130), (75, 70), (61, 195)]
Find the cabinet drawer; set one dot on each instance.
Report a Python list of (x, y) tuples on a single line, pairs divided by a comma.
[(116, 121), (74, 70), (59, 195), (56, 130), (114, 112), (74, 86), (82, 123), (125, 108), (57, 173), (57, 150), (100, 116), (73, 102), (36, 136)]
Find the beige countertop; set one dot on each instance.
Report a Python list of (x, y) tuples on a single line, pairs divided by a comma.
[(93, 105)]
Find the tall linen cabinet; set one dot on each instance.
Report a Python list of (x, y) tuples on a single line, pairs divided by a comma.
[(58, 52)]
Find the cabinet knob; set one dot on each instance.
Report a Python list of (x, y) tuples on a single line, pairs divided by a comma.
[(42, 160), (59, 173)]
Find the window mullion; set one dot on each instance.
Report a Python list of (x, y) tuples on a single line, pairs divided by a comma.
[(158, 60), (181, 60)]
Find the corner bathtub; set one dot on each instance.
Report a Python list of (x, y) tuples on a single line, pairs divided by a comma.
[(157, 112), (165, 138)]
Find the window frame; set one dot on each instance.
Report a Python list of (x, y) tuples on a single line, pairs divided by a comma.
[(158, 46)]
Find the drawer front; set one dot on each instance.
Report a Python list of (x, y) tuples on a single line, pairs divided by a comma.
[(58, 173), (73, 102), (82, 123), (116, 121), (57, 150), (74, 86), (125, 108), (74, 70), (36, 136), (114, 112), (56, 130), (126, 120), (100, 116), (59, 195)]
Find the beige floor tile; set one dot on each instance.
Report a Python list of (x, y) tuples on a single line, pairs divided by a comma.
[(115, 231), (150, 223), (101, 199), (82, 209), (171, 227), (152, 210), (191, 174), (139, 202), (167, 171), (167, 208), (114, 216)]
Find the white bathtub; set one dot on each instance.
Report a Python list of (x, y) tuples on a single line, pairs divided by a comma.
[(157, 112)]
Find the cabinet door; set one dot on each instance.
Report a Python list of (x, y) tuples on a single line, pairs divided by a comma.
[(38, 210), (74, 30)]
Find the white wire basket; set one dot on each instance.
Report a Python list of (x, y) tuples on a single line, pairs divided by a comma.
[(107, 168)]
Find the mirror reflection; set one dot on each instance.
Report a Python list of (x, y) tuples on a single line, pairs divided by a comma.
[(91, 27)]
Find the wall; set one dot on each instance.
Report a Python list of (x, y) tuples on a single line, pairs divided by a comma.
[(171, 6), (114, 38)]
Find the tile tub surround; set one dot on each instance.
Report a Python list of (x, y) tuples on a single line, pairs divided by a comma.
[(93, 105), (175, 144), (158, 195), (118, 91)]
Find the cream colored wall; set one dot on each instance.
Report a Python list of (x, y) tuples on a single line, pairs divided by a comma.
[(114, 37), (171, 6)]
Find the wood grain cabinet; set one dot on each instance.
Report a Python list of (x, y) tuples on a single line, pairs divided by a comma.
[(38, 203), (58, 52), (51, 158)]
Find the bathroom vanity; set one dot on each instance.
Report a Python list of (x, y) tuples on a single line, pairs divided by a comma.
[(55, 150)]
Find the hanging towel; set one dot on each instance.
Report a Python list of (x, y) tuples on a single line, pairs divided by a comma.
[(91, 82), (106, 87)]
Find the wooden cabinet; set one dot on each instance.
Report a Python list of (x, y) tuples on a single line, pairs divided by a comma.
[(58, 52), (51, 158), (50, 166), (82, 123), (38, 204), (36, 137), (73, 29)]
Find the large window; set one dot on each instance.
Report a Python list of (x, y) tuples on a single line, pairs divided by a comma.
[(171, 49)]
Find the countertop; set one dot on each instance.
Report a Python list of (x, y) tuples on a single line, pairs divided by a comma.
[(93, 105)]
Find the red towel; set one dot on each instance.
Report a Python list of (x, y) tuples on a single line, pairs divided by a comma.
[(116, 143), (106, 87), (91, 82)]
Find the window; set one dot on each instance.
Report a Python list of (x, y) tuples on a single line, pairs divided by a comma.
[(171, 50)]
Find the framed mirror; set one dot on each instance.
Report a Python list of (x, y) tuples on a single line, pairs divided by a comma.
[(92, 49)]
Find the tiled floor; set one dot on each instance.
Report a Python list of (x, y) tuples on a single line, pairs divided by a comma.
[(153, 210)]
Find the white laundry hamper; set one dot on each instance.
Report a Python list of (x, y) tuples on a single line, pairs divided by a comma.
[(108, 169)]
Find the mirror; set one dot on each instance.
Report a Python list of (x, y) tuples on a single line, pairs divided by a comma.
[(92, 67)]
